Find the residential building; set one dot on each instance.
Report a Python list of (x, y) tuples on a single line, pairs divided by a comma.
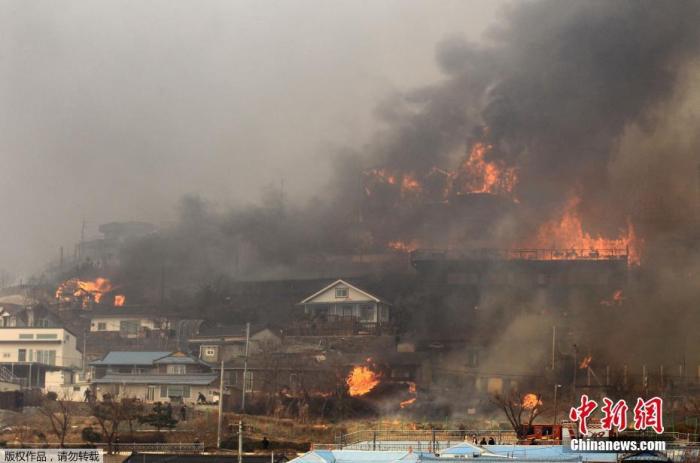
[(158, 376), (128, 322), (29, 352), (341, 304), (225, 342)]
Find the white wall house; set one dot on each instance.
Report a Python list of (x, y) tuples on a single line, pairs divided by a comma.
[(48, 346), (127, 324), (341, 300)]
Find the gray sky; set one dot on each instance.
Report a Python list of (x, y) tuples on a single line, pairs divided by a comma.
[(113, 110)]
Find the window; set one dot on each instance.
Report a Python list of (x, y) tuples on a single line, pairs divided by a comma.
[(41, 323), (366, 313), (47, 357), (47, 336), (26, 336), (347, 310), (76, 388), (248, 381), (177, 369), (341, 292), (175, 391), (101, 326), (209, 351), (129, 327), (151, 393), (22, 355)]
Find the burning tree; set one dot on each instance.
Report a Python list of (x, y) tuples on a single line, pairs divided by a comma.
[(520, 409)]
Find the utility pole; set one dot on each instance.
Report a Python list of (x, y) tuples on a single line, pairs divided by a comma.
[(245, 366), (556, 403), (221, 405), (84, 352), (573, 385), (240, 441), (554, 343)]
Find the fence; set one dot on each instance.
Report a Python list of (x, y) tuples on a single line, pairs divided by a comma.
[(421, 440)]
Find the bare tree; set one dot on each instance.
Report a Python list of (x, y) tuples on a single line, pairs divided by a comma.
[(59, 412), (109, 414), (521, 410)]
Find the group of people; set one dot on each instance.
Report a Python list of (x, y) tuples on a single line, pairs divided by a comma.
[(483, 441)]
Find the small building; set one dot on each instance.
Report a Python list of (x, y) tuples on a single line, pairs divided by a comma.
[(34, 345), (128, 322), (226, 342), (154, 376), (343, 303)]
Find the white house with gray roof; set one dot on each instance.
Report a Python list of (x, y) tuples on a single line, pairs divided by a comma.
[(342, 301), (156, 376)]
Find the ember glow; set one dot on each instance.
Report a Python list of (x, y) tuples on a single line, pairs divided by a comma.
[(403, 246), (84, 289), (585, 362), (361, 380), (119, 300), (616, 299), (530, 401)]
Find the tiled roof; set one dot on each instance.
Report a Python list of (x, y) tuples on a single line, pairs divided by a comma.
[(130, 358)]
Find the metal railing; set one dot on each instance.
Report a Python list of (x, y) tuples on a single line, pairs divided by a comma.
[(521, 254), (419, 440)]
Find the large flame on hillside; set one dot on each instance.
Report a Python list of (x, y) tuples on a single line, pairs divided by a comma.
[(530, 401), (361, 380), (84, 289), (566, 233)]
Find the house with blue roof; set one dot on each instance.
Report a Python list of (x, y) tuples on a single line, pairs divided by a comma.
[(154, 376)]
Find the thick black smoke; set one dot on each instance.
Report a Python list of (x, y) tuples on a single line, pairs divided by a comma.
[(562, 90)]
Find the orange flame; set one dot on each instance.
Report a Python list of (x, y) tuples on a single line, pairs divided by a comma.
[(407, 402), (585, 362), (566, 233), (412, 391), (477, 175), (361, 380), (119, 300), (530, 401), (84, 289)]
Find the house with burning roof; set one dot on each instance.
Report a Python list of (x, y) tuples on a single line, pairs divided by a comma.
[(346, 307), (157, 376)]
